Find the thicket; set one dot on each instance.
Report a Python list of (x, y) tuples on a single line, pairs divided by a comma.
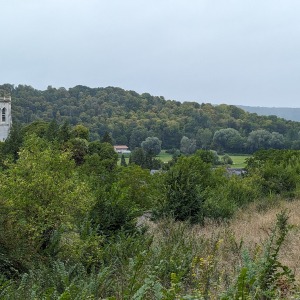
[(71, 222)]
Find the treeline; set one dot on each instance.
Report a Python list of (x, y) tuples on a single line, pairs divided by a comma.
[(71, 221), (131, 117)]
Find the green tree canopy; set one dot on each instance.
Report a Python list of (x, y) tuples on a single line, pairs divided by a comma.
[(107, 138), (229, 140), (42, 193), (259, 139), (187, 146), (80, 131), (151, 146), (184, 184), (204, 138), (137, 136)]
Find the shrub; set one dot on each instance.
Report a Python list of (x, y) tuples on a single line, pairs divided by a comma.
[(227, 160), (185, 182)]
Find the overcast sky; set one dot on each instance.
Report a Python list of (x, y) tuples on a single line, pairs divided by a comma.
[(219, 51)]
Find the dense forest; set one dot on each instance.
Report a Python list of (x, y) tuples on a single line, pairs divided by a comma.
[(76, 225), (131, 117)]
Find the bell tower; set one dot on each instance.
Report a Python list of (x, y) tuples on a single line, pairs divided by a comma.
[(5, 117)]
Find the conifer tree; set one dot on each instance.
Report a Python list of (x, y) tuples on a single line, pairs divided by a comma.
[(64, 133), (107, 138), (123, 161), (52, 131)]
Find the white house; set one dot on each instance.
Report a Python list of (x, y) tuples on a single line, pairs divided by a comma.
[(122, 149)]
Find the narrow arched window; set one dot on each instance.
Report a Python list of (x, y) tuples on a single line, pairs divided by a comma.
[(4, 114)]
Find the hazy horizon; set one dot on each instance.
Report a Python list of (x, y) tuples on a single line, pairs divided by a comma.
[(207, 51)]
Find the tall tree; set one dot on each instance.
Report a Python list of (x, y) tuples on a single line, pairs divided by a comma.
[(80, 131), (52, 131), (78, 148), (42, 194), (107, 138), (204, 138), (259, 139), (138, 157), (64, 133), (187, 146), (137, 136), (228, 139), (185, 182), (105, 153), (123, 161), (151, 146)]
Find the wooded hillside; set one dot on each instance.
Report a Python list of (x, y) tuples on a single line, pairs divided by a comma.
[(131, 117)]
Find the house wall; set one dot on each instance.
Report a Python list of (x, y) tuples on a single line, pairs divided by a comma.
[(5, 103)]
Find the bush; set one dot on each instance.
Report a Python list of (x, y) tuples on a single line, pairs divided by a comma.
[(277, 171), (185, 182), (227, 160), (227, 196), (208, 156)]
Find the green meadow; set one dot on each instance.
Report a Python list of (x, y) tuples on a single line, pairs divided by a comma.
[(164, 157), (239, 161)]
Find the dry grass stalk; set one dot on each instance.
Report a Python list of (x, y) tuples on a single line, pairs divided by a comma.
[(251, 226)]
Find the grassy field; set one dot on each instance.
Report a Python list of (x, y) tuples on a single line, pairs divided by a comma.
[(239, 161), (164, 157)]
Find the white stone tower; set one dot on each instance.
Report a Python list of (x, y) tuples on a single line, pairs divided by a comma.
[(5, 117)]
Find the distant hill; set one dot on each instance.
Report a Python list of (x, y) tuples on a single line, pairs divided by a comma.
[(131, 117), (287, 113)]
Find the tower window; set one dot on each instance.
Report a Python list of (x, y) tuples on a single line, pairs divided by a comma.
[(4, 114)]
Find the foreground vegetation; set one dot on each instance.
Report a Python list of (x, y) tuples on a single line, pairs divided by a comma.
[(76, 225), (176, 261)]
